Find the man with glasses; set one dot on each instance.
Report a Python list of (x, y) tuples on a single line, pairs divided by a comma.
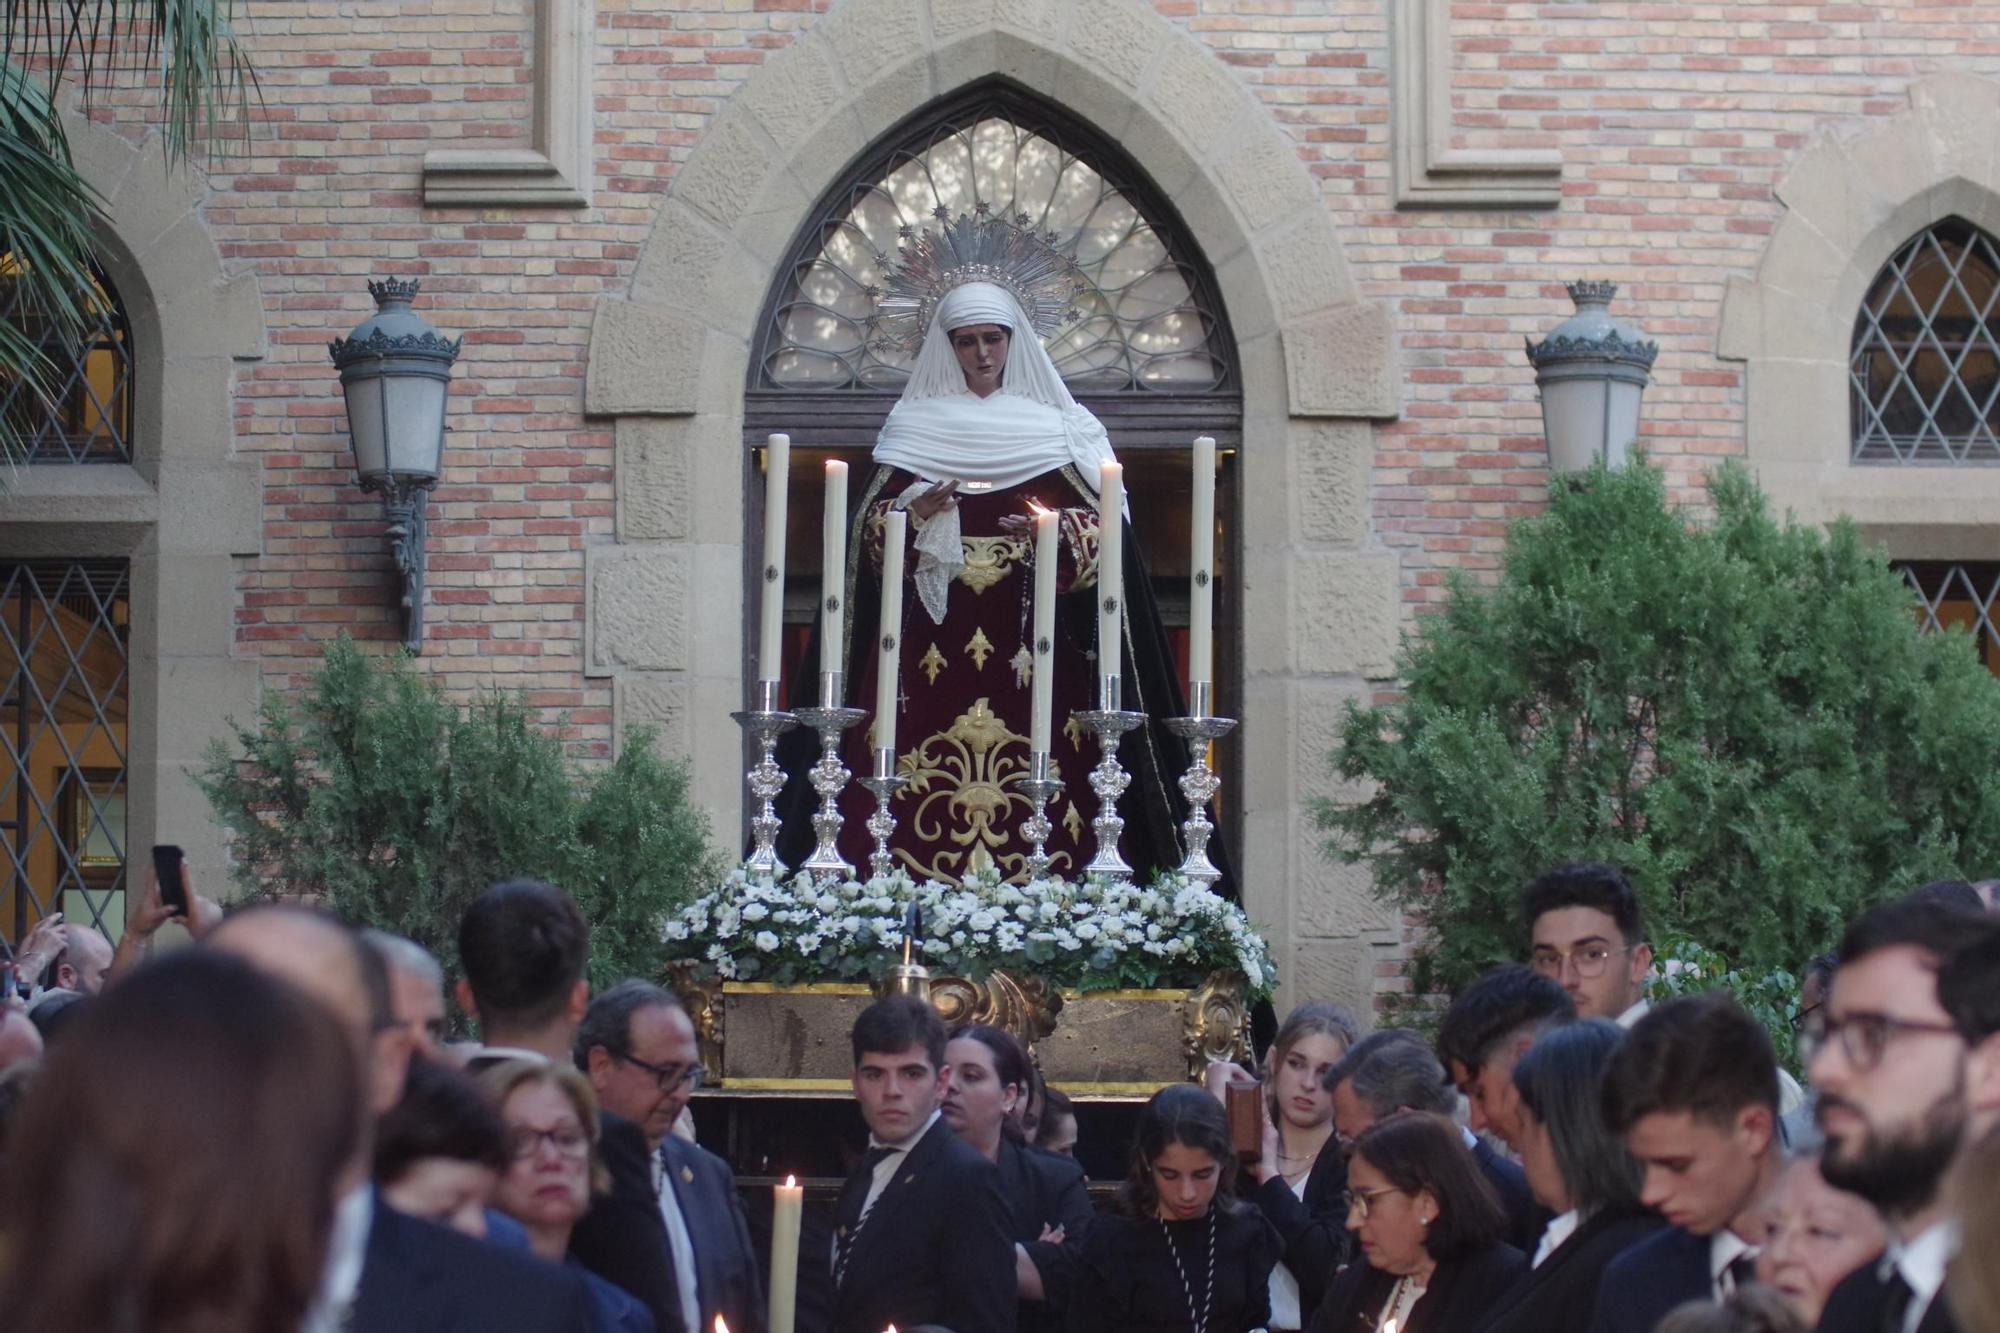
[(1891, 1069), (637, 1047), (1588, 934)]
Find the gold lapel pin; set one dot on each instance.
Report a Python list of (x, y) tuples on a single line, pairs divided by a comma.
[(687, 1175)]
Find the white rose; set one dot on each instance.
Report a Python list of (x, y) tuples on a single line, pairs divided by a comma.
[(766, 941)]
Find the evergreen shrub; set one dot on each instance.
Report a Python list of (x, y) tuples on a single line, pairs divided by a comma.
[(375, 794), (1741, 712)]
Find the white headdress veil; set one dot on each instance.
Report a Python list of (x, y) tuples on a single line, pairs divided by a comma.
[(940, 430)]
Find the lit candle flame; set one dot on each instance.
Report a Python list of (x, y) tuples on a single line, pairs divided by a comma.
[(721, 1325), (1035, 505), (791, 1182)]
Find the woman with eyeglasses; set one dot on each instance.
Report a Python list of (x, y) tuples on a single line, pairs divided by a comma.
[(1429, 1228), (551, 1119), (1177, 1253), (1578, 1170), (1814, 1235)]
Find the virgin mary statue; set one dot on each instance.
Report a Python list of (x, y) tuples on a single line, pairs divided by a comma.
[(986, 433)]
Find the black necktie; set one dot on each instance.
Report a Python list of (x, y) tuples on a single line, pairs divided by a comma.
[(1742, 1271), (1896, 1298)]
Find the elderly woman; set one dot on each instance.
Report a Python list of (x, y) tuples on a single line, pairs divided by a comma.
[(1814, 1235), (551, 1118), (1578, 1170), (1429, 1227), (985, 434)]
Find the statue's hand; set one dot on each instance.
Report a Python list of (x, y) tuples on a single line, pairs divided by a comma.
[(1017, 524), (940, 497)]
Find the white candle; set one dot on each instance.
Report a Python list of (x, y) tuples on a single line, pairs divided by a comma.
[(833, 572), (1110, 572), (1043, 647), (785, 1255), (1201, 581), (887, 643), (777, 480)]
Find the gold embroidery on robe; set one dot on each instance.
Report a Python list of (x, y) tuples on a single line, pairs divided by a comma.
[(980, 647), (966, 808), (932, 663), (1023, 663), (989, 559)]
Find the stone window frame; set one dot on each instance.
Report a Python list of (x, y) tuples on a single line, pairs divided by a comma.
[(1429, 172), (1853, 198), (557, 171), (188, 507)]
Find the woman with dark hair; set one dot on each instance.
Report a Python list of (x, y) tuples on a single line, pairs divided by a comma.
[(176, 1167), (1048, 1205), (1430, 1231), (1578, 1170), (1178, 1251), (552, 1126), (1057, 1133), (439, 1151)]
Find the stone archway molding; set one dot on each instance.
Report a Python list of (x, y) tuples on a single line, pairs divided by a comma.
[(670, 359), (1852, 198), (187, 505)]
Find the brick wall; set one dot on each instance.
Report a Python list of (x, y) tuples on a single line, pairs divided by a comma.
[(1674, 122)]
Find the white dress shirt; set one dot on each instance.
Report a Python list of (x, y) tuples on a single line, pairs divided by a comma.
[(1725, 1247), (346, 1255), (1635, 1013), (885, 1170), (1560, 1228), (1922, 1263), (680, 1242)]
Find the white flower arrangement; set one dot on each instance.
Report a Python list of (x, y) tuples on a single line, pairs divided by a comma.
[(1100, 934)]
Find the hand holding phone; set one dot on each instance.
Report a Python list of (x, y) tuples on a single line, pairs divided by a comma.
[(170, 871)]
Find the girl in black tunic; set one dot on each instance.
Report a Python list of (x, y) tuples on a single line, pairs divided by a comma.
[(1179, 1254)]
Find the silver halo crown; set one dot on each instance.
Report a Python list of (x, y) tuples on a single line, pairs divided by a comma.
[(973, 247)]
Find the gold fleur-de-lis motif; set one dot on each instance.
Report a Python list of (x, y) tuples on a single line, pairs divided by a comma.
[(962, 780), (980, 647), (931, 663)]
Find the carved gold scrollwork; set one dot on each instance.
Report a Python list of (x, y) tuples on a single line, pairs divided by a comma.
[(700, 992), (989, 559), (1217, 1023), (1025, 1007), (964, 803)]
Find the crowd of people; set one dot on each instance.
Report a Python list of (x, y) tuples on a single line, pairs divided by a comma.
[(271, 1131)]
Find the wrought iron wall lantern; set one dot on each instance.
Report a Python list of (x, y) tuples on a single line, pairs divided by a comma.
[(395, 370), (1591, 371)]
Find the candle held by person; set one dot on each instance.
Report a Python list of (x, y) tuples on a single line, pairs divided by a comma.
[(784, 1292), (833, 582), (770, 626)]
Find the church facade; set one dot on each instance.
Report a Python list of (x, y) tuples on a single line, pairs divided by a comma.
[(1319, 230)]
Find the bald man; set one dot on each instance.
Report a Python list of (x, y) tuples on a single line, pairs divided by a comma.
[(386, 1271), (72, 957)]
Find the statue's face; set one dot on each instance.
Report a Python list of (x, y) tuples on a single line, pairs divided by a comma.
[(982, 355)]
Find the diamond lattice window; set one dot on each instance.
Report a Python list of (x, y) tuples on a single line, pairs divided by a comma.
[(1148, 321), (1925, 372), (1963, 595), (91, 379), (63, 663)]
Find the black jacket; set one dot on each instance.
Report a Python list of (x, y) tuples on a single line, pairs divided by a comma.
[(418, 1275), (1317, 1241), (1459, 1293), (1044, 1190), (622, 1238), (727, 1276), (1525, 1217), (1140, 1275), (935, 1248), (1855, 1306), (1640, 1286), (1560, 1295)]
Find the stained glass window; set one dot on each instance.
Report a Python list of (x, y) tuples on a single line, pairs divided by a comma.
[(1149, 322), (1925, 370)]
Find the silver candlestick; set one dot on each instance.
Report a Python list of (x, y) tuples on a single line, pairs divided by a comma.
[(1036, 828), (1199, 784), (1109, 779), (765, 723), (885, 783), (829, 777)]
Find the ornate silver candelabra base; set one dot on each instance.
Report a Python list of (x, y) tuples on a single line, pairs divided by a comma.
[(1199, 784), (765, 723), (1040, 789), (1109, 780), (829, 779), (885, 783)]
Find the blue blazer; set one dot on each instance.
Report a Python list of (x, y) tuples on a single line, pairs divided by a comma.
[(727, 1275), (1641, 1285), (1855, 1306), (418, 1275)]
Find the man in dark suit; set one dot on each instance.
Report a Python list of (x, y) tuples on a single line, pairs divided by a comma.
[(1903, 1056), (386, 1272), (1694, 1092), (921, 1234), (638, 1048), (1490, 1025)]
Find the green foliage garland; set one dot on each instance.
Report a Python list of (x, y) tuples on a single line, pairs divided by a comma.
[(1743, 713), (395, 807)]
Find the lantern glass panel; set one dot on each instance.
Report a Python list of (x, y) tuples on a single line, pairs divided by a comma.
[(415, 415), (365, 425)]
